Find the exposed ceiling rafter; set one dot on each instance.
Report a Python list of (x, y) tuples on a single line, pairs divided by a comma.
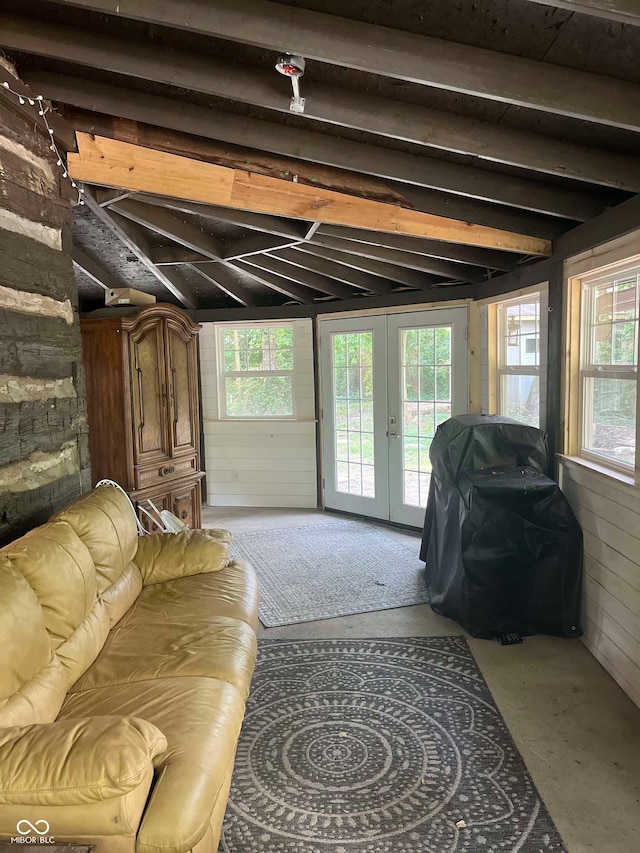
[(137, 245), (486, 258), (372, 160), (221, 278), (386, 266), (308, 278), (168, 225), (357, 110), (93, 270), (624, 11), (396, 54), (347, 275), (277, 283)]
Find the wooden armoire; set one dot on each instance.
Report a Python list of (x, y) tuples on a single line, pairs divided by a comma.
[(143, 408)]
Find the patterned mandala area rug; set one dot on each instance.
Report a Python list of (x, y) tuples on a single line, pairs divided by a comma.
[(379, 746), (327, 570)]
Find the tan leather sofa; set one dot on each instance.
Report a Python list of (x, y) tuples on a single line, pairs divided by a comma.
[(125, 664)]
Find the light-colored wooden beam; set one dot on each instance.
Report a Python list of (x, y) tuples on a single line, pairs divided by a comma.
[(110, 163)]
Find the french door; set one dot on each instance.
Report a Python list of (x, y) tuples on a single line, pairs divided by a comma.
[(388, 381)]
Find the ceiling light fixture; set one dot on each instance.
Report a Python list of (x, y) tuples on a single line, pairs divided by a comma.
[(293, 66)]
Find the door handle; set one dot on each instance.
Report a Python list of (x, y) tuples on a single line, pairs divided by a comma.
[(392, 434)]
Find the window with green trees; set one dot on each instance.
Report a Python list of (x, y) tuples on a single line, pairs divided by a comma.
[(518, 359), (610, 311), (257, 372)]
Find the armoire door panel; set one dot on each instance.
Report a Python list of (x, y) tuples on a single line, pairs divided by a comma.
[(182, 382), (150, 428)]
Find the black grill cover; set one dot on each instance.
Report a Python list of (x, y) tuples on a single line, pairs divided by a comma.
[(502, 546)]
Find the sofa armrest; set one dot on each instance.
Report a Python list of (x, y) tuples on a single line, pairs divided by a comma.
[(76, 761), (167, 556)]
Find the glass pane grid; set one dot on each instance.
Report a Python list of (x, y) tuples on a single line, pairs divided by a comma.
[(258, 349), (258, 371), (611, 312), (520, 333), (425, 364), (353, 412), (519, 360), (613, 323)]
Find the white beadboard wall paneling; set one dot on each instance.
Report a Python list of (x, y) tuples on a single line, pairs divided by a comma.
[(609, 514), (261, 463)]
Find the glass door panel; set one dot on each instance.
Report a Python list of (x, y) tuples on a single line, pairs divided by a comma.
[(424, 391), (388, 381), (352, 356), (353, 374)]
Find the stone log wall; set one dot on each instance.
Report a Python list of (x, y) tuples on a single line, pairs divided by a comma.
[(44, 457)]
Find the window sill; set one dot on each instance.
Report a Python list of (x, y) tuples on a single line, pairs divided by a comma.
[(627, 481)]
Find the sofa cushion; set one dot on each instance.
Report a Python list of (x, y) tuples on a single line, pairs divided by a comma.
[(201, 719), (59, 568), (104, 520), (145, 648), (167, 556), (24, 643), (233, 592), (74, 761)]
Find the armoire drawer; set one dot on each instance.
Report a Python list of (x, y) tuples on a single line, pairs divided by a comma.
[(166, 471)]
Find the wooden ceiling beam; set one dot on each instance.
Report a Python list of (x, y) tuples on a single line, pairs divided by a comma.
[(106, 162), (323, 149), (221, 278), (368, 260), (174, 255), (356, 110), (170, 226), (403, 195), (93, 270), (317, 281), (401, 245), (340, 272), (254, 221), (482, 212), (136, 243), (624, 11), (275, 282), (107, 197), (396, 54), (255, 244)]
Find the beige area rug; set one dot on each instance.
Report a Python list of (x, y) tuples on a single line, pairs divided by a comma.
[(326, 570)]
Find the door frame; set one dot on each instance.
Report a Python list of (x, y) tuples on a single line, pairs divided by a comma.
[(371, 507), (458, 319), (380, 507)]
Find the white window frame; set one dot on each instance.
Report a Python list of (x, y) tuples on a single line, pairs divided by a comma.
[(502, 368), (222, 374), (587, 370)]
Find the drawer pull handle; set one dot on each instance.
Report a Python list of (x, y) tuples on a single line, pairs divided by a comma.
[(184, 513), (168, 470)]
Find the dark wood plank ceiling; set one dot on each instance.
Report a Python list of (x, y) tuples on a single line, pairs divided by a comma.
[(521, 115)]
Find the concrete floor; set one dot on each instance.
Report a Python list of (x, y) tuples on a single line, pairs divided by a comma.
[(578, 733)]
